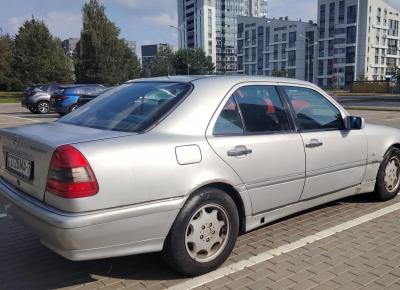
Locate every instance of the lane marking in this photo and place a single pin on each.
(3, 215)
(265, 256)
(21, 118)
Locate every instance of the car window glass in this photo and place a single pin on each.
(313, 110)
(131, 107)
(262, 109)
(44, 88)
(229, 121)
(53, 88)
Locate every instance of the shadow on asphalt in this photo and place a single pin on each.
(26, 264)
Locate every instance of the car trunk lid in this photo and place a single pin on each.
(26, 151)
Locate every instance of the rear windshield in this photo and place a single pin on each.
(130, 107)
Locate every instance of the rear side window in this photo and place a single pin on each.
(229, 121)
(313, 110)
(252, 109)
(131, 107)
(45, 88)
(91, 89)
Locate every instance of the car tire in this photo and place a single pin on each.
(32, 110)
(43, 107)
(388, 180)
(203, 234)
(73, 107)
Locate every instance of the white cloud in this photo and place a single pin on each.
(155, 5)
(61, 24)
(162, 19)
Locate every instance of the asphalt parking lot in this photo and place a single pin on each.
(348, 244)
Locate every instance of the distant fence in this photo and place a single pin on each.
(371, 87)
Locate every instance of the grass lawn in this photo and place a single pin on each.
(10, 97)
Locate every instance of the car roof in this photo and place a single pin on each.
(79, 86)
(233, 79)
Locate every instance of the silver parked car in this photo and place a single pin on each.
(37, 98)
(183, 165)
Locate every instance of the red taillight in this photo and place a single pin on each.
(70, 175)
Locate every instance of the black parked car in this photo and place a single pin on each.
(88, 97)
(66, 98)
(37, 98)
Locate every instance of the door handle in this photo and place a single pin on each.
(314, 143)
(239, 151)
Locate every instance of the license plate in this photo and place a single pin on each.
(19, 165)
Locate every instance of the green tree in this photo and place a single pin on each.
(198, 62)
(101, 56)
(6, 57)
(164, 62)
(39, 57)
(279, 73)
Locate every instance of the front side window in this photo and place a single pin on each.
(252, 110)
(130, 107)
(313, 111)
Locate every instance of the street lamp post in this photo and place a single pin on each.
(308, 45)
(187, 48)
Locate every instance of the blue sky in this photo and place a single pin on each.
(146, 21)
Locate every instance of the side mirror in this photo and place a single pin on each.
(354, 123)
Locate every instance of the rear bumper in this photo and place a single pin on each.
(93, 235)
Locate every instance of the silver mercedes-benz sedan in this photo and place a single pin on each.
(183, 165)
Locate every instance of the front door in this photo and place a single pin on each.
(251, 132)
(335, 157)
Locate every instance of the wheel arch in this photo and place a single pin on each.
(234, 194)
(396, 145)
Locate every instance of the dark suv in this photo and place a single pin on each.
(66, 98)
(37, 98)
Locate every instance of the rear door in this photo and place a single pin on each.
(335, 157)
(252, 133)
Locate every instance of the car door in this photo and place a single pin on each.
(335, 157)
(253, 134)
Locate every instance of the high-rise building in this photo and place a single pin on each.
(69, 46)
(357, 39)
(268, 46)
(149, 53)
(211, 25)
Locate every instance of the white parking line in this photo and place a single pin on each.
(3, 215)
(227, 270)
(21, 118)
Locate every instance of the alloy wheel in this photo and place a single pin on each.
(207, 233)
(392, 171)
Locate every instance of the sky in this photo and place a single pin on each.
(145, 21)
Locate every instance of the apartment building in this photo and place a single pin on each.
(69, 46)
(149, 53)
(358, 39)
(211, 25)
(270, 45)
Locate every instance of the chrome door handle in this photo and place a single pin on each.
(314, 143)
(239, 151)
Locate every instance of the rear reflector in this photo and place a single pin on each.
(70, 175)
